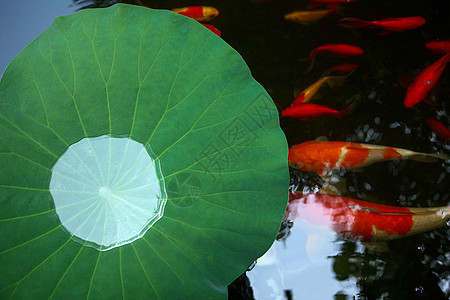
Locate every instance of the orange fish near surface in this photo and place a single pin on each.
(362, 220)
(321, 156)
(308, 17)
(198, 13)
(212, 28)
(425, 81)
(387, 24)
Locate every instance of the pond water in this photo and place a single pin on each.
(311, 262)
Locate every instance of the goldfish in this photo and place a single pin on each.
(304, 111)
(388, 24)
(441, 47)
(308, 17)
(212, 28)
(321, 156)
(328, 3)
(336, 49)
(311, 90)
(365, 221)
(425, 81)
(440, 129)
(344, 68)
(198, 13)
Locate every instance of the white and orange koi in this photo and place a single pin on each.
(198, 13)
(321, 156)
(362, 220)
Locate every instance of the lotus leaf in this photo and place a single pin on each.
(139, 159)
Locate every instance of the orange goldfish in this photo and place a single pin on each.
(198, 13)
(441, 47)
(425, 81)
(362, 220)
(321, 156)
(387, 25)
(310, 91)
(308, 17)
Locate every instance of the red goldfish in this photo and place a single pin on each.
(310, 91)
(212, 28)
(328, 3)
(336, 49)
(425, 81)
(198, 13)
(441, 47)
(440, 129)
(321, 156)
(344, 68)
(304, 111)
(387, 24)
(365, 221)
(308, 17)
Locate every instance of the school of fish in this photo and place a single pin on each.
(352, 218)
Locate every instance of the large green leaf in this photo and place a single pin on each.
(139, 159)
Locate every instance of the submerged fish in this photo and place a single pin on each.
(425, 81)
(387, 25)
(321, 156)
(328, 3)
(362, 220)
(198, 13)
(311, 90)
(440, 129)
(309, 16)
(441, 47)
(342, 50)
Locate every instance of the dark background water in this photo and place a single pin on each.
(416, 267)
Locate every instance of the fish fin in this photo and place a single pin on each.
(376, 246)
(321, 138)
(348, 109)
(429, 157)
(352, 23)
(338, 79)
(384, 32)
(313, 5)
(431, 100)
(298, 100)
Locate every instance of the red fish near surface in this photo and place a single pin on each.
(321, 156)
(198, 13)
(441, 47)
(425, 81)
(387, 24)
(361, 220)
(440, 129)
(304, 111)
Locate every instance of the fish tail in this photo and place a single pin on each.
(352, 23)
(311, 57)
(337, 80)
(348, 109)
(429, 157)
